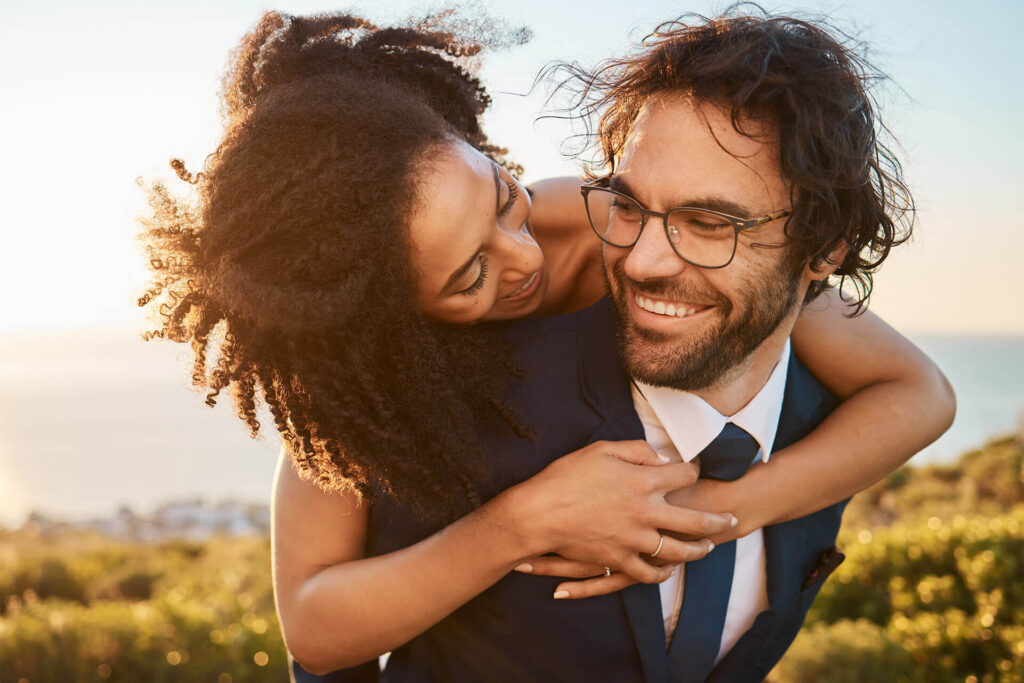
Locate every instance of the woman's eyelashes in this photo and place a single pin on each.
(513, 195)
(479, 284)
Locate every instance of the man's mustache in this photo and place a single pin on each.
(670, 289)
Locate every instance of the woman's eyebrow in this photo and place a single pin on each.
(459, 272)
(497, 189)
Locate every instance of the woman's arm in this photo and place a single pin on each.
(558, 220)
(895, 402)
(339, 608)
(557, 207)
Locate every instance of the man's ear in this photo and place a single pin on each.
(828, 265)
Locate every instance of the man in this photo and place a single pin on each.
(763, 131)
(743, 172)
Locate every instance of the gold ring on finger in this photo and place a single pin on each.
(661, 542)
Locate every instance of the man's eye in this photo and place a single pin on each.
(625, 210)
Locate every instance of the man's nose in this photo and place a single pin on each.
(652, 257)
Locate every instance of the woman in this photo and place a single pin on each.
(352, 229)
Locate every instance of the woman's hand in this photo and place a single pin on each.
(590, 579)
(604, 505)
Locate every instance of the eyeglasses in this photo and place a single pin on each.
(701, 237)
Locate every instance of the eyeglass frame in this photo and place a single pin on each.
(737, 223)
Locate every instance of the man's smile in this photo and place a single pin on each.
(667, 307)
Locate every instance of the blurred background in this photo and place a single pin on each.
(100, 432)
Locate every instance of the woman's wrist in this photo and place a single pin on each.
(711, 495)
(515, 514)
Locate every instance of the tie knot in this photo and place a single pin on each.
(730, 455)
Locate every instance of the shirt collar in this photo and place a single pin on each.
(692, 424)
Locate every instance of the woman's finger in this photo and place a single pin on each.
(574, 590)
(553, 565)
(634, 452)
(675, 476)
(693, 523)
(643, 572)
(674, 551)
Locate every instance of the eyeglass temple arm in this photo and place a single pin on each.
(772, 216)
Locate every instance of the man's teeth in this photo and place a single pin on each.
(661, 308)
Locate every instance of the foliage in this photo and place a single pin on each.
(845, 652)
(176, 611)
(932, 590)
(938, 593)
(986, 481)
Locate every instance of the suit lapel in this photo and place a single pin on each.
(606, 388)
(603, 383)
(782, 542)
(800, 403)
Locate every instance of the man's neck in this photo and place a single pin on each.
(738, 386)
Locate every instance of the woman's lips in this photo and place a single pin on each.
(526, 290)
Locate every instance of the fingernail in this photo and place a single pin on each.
(734, 521)
(662, 457)
(525, 568)
(561, 595)
(711, 546)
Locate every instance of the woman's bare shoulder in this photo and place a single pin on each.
(557, 208)
(571, 250)
(313, 527)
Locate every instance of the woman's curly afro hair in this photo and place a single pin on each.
(290, 263)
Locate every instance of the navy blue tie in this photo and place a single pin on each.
(708, 581)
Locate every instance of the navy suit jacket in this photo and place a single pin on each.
(574, 393)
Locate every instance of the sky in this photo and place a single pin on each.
(96, 95)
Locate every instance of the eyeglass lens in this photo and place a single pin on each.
(700, 237)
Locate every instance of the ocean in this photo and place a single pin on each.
(90, 421)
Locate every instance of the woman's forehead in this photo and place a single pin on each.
(456, 209)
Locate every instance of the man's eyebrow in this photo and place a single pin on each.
(718, 204)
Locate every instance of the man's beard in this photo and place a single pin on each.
(699, 362)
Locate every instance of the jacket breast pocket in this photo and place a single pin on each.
(827, 563)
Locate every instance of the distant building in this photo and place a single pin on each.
(193, 519)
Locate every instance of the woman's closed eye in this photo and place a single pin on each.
(479, 283)
(513, 195)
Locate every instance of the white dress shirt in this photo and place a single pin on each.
(680, 425)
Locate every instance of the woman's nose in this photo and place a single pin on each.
(521, 252)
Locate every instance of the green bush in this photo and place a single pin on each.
(927, 593)
(164, 612)
(168, 640)
(44, 577)
(845, 652)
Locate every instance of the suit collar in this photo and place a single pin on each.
(691, 423)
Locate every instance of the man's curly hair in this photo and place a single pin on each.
(291, 262)
(807, 80)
